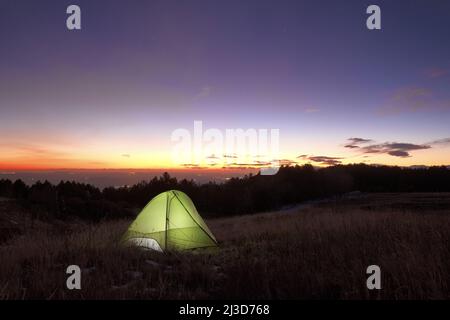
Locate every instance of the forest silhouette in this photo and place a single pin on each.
(246, 195)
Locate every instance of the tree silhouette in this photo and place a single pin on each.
(249, 194)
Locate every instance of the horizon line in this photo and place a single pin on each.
(3, 170)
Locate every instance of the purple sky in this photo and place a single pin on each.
(140, 69)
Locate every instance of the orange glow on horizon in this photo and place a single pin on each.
(99, 156)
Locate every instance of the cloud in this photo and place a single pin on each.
(440, 141)
(283, 162)
(204, 92)
(263, 163)
(325, 160)
(251, 164)
(436, 72)
(259, 164)
(354, 143)
(126, 155)
(399, 153)
(394, 149)
(311, 110)
(411, 93)
(236, 165)
(412, 99)
(212, 157)
(406, 146)
(24, 155)
(408, 99)
(25, 150)
(359, 140)
(230, 156)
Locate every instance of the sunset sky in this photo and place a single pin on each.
(111, 94)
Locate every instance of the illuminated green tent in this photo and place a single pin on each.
(170, 221)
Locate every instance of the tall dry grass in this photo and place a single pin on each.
(319, 252)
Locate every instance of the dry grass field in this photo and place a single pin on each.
(314, 251)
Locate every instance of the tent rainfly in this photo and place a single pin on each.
(170, 222)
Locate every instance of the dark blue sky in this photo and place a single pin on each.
(140, 69)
